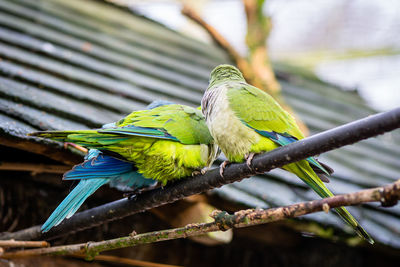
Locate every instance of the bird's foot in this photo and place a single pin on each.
(222, 167)
(249, 159)
(201, 172)
(195, 173)
(204, 170)
(131, 195)
(78, 147)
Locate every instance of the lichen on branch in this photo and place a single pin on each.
(388, 195)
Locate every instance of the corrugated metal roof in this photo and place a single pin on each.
(79, 64)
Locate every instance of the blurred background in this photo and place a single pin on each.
(354, 44)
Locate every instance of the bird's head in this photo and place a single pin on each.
(223, 73)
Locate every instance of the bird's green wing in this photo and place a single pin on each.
(179, 123)
(260, 111)
(174, 122)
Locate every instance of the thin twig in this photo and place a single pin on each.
(314, 145)
(48, 148)
(388, 195)
(23, 244)
(36, 168)
(76, 147)
(256, 68)
(220, 40)
(126, 261)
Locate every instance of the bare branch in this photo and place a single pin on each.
(126, 261)
(221, 41)
(387, 195)
(23, 244)
(314, 145)
(32, 167)
(48, 148)
(256, 68)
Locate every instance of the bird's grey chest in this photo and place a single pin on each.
(230, 134)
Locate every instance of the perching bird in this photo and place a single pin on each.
(163, 143)
(244, 120)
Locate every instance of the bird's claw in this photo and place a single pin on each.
(222, 167)
(249, 158)
(195, 173)
(204, 170)
(201, 172)
(131, 195)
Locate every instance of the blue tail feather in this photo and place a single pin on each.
(285, 139)
(98, 166)
(72, 202)
(98, 169)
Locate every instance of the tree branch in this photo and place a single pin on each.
(314, 145)
(256, 68)
(387, 195)
(220, 40)
(33, 167)
(23, 244)
(258, 29)
(125, 261)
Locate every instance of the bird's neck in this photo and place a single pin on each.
(220, 80)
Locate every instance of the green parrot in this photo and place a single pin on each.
(165, 143)
(244, 120)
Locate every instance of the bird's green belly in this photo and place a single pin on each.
(233, 137)
(236, 139)
(163, 160)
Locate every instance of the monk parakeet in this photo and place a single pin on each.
(162, 143)
(244, 120)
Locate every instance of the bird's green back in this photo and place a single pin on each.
(259, 110)
(164, 143)
(184, 123)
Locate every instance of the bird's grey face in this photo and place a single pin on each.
(223, 73)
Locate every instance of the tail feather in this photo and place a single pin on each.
(87, 138)
(99, 166)
(346, 216)
(72, 202)
(303, 170)
(60, 135)
(121, 174)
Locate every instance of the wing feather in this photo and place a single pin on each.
(270, 120)
(270, 116)
(173, 122)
